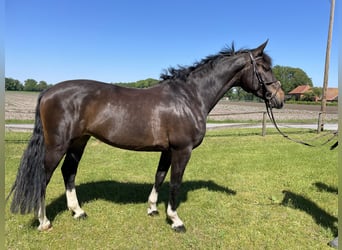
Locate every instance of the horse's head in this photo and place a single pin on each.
(259, 79)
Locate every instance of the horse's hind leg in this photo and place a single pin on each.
(53, 156)
(163, 167)
(44, 222)
(69, 170)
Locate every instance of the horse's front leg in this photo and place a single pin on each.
(180, 159)
(163, 167)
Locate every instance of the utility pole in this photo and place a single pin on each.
(326, 71)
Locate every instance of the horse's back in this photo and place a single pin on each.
(79, 85)
(123, 117)
(139, 119)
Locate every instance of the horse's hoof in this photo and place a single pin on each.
(45, 228)
(334, 243)
(179, 229)
(153, 213)
(80, 216)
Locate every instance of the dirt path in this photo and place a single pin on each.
(289, 112)
(21, 106)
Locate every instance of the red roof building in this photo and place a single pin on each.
(299, 91)
(332, 94)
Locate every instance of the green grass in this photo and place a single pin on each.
(240, 191)
(234, 121)
(16, 121)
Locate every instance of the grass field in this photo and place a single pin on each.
(240, 191)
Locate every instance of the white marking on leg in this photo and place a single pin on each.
(73, 203)
(152, 202)
(44, 223)
(173, 216)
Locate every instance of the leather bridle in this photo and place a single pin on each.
(262, 84)
(268, 96)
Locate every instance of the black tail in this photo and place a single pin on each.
(30, 184)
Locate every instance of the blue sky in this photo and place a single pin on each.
(124, 41)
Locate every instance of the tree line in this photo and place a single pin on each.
(289, 77)
(33, 85)
(29, 85)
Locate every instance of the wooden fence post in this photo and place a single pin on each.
(263, 123)
(319, 123)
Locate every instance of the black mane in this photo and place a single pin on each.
(182, 72)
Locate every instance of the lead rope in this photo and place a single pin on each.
(271, 116)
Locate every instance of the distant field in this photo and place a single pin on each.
(240, 191)
(21, 106)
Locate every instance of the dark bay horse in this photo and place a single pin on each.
(169, 117)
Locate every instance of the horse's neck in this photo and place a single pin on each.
(218, 80)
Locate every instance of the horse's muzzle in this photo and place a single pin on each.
(277, 100)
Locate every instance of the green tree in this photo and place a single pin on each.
(238, 94)
(317, 91)
(139, 84)
(30, 85)
(145, 83)
(290, 77)
(308, 96)
(42, 85)
(314, 94)
(13, 84)
(231, 94)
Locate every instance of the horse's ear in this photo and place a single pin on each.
(260, 50)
